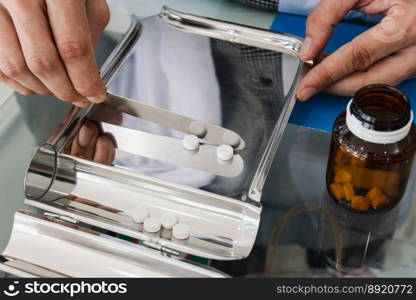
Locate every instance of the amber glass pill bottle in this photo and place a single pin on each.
(372, 149)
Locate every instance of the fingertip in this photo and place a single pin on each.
(305, 50)
(25, 93)
(313, 45)
(299, 97)
(99, 96)
(105, 142)
(105, 150)
(96, 99)
(306, 93)
(81, 104)
(87, 134)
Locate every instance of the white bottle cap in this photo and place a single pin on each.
(231, 138)
(197, 128)
(139, 214)
(190, 142)
(180, 231)
(168, 220)
(375, 136)
(225, 152)
(151, 225)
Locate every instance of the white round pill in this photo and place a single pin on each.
(180, 231)
(190, 142)
(231, 138)
(151, 225)
(197, 128)
(225, 152)
(139, 214)
(168, 220)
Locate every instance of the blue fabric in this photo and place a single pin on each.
(321, 110)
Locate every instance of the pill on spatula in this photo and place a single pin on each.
(139, 214)
(197, 128)
(168, 220)
(180, 231)
(151, 225)
(225, 152)
(190, 142)
(231, 138)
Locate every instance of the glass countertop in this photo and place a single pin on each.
(287, 242)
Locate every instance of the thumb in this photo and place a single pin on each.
(320, 24)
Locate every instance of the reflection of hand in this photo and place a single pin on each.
(47, 47)
(383, 54)
(91, 144)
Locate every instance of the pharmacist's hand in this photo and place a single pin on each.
(383, 54)
(47, 47)
(91, 144)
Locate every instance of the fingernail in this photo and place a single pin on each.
(85, 136)
(304, 51)
(306, 93)
(97, 99)
(81, 104)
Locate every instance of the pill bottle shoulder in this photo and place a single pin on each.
(345, 139)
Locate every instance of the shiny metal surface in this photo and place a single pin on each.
(109, 197)
(91, 253)
(213, 134)
(122, 51)
(171, 150)
(279, 42)
(103, 164)
(24, 269)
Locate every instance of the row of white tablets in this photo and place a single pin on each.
(167, 226)
(224, 152)
(199, 129)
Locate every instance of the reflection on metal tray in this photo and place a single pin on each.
(110, 256)
(222, 82)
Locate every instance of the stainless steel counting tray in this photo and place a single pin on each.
(105, 164)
